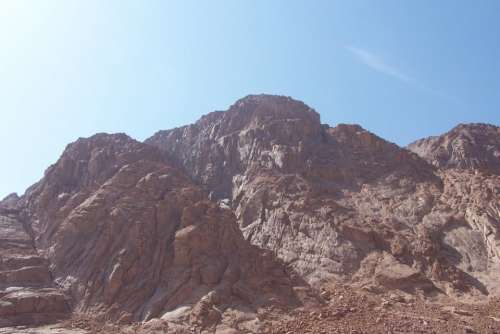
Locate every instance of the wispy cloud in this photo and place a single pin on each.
(378, 64)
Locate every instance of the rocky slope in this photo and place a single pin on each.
(224, 225)
(129, 238)
(335, 202)
(467, 146)
(468, 157)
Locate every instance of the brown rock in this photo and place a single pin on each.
(466, 146)
(321, 198)
(28, 296)
(184, 231)
(131, 238)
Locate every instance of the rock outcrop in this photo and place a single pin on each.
(131, 238)
(468, 157)
(331, 202)
(28, 295)
(466, 146)
(319, 197)
(9, 202)
(224, 224)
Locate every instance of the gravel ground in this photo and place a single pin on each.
(354, 312)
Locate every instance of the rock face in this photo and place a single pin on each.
(331, 202)
(255, 133)
(131, 238)
(27, 293)
(216, 225)
(321, 198)
(9, 202)
(467, 146)
(468, 158)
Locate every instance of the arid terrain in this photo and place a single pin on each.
(258, 219)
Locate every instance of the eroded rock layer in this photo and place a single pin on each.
(28, 295)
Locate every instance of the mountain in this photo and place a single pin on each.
(130, 238)
(252, 214)
(317, 196)
(466, 146)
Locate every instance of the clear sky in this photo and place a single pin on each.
(401, 69)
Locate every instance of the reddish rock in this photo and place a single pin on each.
(466, 146)
(28, 295)
(221, 225)
(130, 238)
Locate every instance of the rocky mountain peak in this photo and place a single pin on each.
(466, 146)
(279, 114)
(90, 161)
(10, 201)
(258, 131)
(274, 107)
(84, 166)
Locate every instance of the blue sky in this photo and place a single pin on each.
(401, 69)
